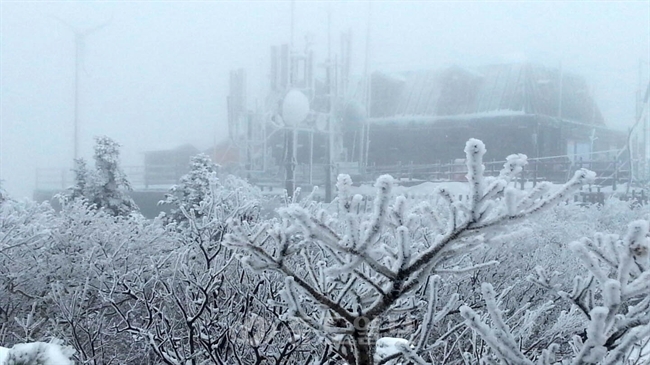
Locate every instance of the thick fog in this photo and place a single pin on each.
(156, 75)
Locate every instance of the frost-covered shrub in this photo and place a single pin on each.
(25, 228)
(610, 306)
(187, 199)
(616, 213)
(91, 248)
(192, 189)
(195, 304)
(350, 275)
(544, 241)
(121, 289)
(52, 266)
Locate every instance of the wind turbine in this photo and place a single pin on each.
(79, 37)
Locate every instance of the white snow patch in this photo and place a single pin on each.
(388, 346)
(4, 353)
(435, 118)
(38, 352)
(423, 189)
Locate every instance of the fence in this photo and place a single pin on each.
(596, 196)
(554, 169)
(557, 169)
(60, 179)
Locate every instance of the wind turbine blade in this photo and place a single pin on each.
(98, 27)
(66, 24)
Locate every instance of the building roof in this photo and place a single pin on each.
(225, 153)
(182, 152)
(486, 92)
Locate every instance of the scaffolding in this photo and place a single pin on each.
(255, 132)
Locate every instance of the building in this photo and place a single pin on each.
(165, 167)
(426, 116)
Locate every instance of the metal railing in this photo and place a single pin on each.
(555, 169)
(610, 171)
(151, 177)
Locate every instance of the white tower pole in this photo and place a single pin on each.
(79, 37)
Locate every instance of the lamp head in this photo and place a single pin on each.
(295, 108)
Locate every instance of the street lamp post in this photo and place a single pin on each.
(295, 109)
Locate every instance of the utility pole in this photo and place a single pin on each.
(330, 117)
(365, 129)
(559, 99)
(290, 135)
(79, 38)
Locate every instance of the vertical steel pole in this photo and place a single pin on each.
(77, 55)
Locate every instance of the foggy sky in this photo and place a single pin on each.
(157, 75)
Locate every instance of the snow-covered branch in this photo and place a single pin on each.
(374, 260)
(614, 323)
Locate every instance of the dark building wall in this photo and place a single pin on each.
(167, 166)
(442, 141)
(428, 144)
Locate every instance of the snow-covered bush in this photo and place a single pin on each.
(24, 229)
(542, 241)
(195, 304)
(348, 272)
(202, 184)
(88, 250)
(376, 287)
(52, 267)
(192, 188)
(92, 278)
(612, 300)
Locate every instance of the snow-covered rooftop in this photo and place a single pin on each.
(490, 91)
(434, 118)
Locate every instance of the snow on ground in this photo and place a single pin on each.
(4, 352)
(423, 190)
(457, 188)
(41, 353)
